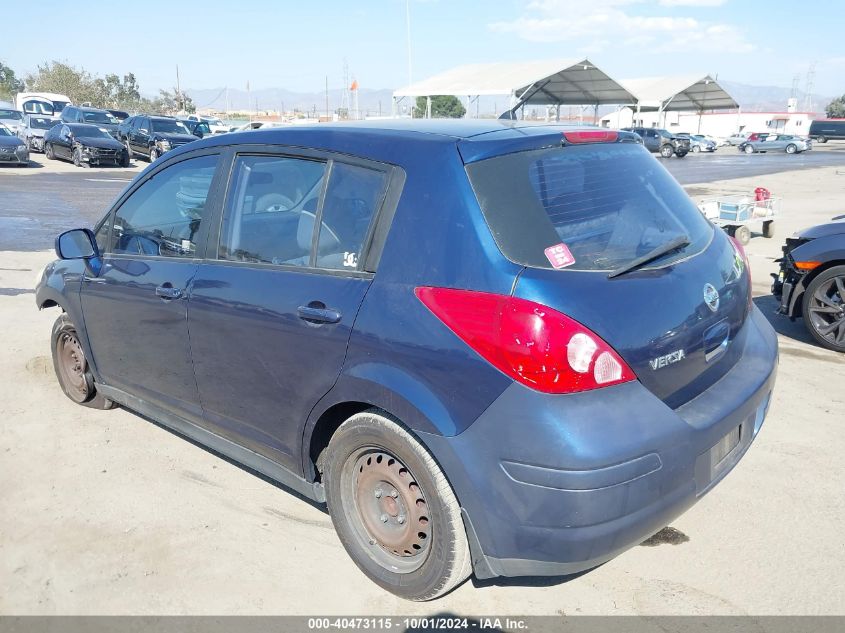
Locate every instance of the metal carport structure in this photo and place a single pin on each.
(683, 92)
(550, 82)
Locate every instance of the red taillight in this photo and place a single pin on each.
(591, 136)
(740, 249)
(535, 345)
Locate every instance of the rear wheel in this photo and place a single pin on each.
(393, 508)
(666, 151)
(742, 234)
(72, 368)
(791, 148)
(769, 228)
(824, 308)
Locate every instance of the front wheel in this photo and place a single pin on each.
(769, 228)
(791, 149)
(824, 308)
(681, 154)
(72, 368)
(153, 154)
(748, 149)
(666, 151)
(822, 139)
(696, 149)
(77, 158)
(48, 151)
(393, 508)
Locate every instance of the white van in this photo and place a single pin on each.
(43, 103)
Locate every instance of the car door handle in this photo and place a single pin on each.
(316, 314)
(168, 292)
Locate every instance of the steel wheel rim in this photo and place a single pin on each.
(826, 309)
(73, 366)
(388, 509)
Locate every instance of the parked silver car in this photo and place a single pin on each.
(33, 129)
(700, 143)
(10, 117)
(777, 143)
(738, 139)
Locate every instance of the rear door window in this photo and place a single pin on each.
(606, 204)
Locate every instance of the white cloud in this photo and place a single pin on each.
(692, 3)
(594, 23)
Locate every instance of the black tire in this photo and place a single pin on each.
(666, 151)
(769, 228)
(681, 154)
(71, 366)
(153, 154)
(48, 151)
(748, 149)
(822, 139)
(823, 308)
(124, 162)
(791, 148)
(416, 512)
(742, 234)
(696, 149)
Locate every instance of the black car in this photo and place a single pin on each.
(84, 145)
(200, 129)
(12, 149)
(811, 281)
(824, 130)
(120, 115)
(663, 142)
(152, 136)
(93, 116)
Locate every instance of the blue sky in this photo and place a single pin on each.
(295, 45)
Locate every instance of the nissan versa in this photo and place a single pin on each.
(490, 347)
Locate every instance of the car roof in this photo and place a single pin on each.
(390, 139)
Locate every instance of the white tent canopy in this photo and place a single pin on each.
(686, 92)
(551, 82)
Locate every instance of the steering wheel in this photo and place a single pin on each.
(273, 202)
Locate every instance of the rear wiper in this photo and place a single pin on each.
(663, 249)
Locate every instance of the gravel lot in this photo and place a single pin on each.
(107, 513)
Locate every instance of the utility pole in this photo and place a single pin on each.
(179, 99)
(327, 96)
(408, 29)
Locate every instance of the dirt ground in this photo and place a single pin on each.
(103, 512)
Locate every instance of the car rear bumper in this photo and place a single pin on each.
(555, 485)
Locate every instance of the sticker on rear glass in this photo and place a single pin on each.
(559, 256)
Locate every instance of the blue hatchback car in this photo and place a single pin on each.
(489, 347)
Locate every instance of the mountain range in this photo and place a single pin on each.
(378, 102)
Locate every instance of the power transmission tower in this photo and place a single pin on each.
(808, 90)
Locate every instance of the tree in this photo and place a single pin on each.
(442, 107)
(10, 85)
(836, 108)
(64, 79)
(173, 102)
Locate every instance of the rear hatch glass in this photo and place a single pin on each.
(608, 204)
(574, 215)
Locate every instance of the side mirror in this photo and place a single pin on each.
(76, 244)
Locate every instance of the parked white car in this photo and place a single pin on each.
(215, 125)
